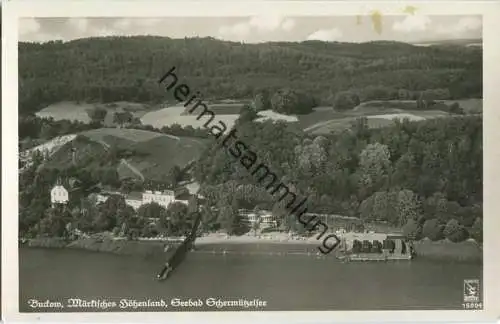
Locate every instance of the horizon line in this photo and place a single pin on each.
(263, 42)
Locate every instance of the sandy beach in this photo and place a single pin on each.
(274, 237)
(281, 238)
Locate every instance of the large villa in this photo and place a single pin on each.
(137, 199)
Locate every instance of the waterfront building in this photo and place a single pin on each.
(267, 220)
(264, 218)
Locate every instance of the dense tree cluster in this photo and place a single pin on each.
(425, 174)
(83, 213)
(33, 129)
(288, 102)
(128, 68)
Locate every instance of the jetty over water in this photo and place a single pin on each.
(180, 253)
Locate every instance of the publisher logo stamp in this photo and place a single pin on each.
(471, 290)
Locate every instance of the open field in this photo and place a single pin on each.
(151, 154)
(134, 135)
(78, 111)
(379, 114)
(158, 155)
(471, 106)
(227, 113)
(226, 108)
(271, 115)
(177, 115)
(322, 120)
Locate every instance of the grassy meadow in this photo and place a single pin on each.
(322, 120)
(152, 154)
(78, 111)
(178, 114)
(379, 114)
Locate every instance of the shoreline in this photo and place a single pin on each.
(244, 245)
(248, 239)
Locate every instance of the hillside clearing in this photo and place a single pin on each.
(134, 135)
(271, 115)
(150, 155)
(49, 147)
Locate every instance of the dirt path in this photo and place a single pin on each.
(132, 168)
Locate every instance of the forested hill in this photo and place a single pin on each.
(128, 68)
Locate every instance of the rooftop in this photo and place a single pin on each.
(134, 195)
(58, 187)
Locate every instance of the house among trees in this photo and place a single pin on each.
(63, 191)
(59, 195)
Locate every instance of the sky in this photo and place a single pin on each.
(410, 28)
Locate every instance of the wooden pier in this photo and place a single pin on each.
(180, 253)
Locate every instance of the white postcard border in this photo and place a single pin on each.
(491, 75)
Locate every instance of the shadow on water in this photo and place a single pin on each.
(180, 253)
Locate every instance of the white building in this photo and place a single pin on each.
(264, 218)
(163, 198)
(267, 220)
(59, 195)
(134, 200)
(137, 199)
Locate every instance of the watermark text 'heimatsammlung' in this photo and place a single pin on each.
(248, 159)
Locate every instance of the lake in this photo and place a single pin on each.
(292, 282)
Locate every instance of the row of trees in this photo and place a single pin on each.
(97, 115)
(113, 215)
(423, 100)
(288, 101)
(48, 72)
(435, 229)
(35, 128)
(86, 215)
(32, 127)
(285, 101)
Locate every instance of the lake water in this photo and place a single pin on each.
(293, 282)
